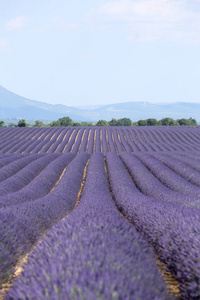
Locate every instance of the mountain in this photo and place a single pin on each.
(15, 106)
(144, 110)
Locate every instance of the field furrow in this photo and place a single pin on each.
(97, 247)
(100, 212)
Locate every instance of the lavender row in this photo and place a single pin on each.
(149, 139)
(65, 140)
(133, 146)
(171, 229)
(55, 142)
(124, 140)
(98, 141)
(15, 166)
(116, 138)
(137, 141)
(10, 145)
(143, 143)
(51, 140)
(149, 185)
(111, 141)
(40, 185)
(90, 145)
(105, 147)
(157, 137)
(102, 139)
(26, 175)
(7, 159)
(185, 140)
(83, 146)
(6, 142)
(180, 168)
(71, 141)
(172, 138)
(76, 145)
(93, 254)
(169, 178)
(187, 159)
(191, 154)
(37, 133)
(162, 135)
(22, 225)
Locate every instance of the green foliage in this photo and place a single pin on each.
(22, 123)
(124, 122)
(38, 124)
(65, 121)
(55, 124)
(152, 122)
(87, 124)
(102, 123)
(159, 123)
(2, 123)
(142, 123)
(76, 124)
(165, 122)
(113, 122)
(193, 121)
(184, 121)
(62, 122)
(168, 122)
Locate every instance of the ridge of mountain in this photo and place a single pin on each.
(15, 106)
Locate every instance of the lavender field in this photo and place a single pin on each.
(99, 213)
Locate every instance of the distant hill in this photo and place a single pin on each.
(144, 110)
(15, 106)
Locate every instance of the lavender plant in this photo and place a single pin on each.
(15, 166)
(26, 175)
(149, 185)
(171, 229)
(167, 176)
(41, 185)
(182, 169)
(93, 254)
(21, 227)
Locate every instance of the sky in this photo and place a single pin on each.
(101, 52)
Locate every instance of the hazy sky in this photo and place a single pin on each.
(79, 52)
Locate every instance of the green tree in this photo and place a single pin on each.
(38, 124)
(142, 123)
(159, 123)
(168, 122)
(124, 122)
(102, 123)
(65, 121)
(151, 122)
(193, 121)
(76, 124)
(183, 121)
(55, 123)
(2, 123)
(22, 123)
(86, 123)
(113, 122)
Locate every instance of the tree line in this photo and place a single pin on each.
(67, 121)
